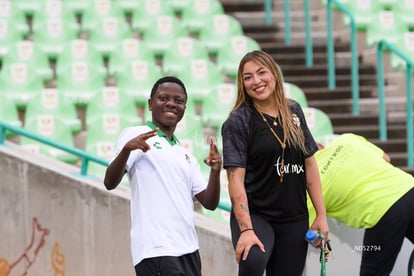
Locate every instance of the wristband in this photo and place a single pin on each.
(247, 229)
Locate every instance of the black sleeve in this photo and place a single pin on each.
(310, 144)
(235, 133)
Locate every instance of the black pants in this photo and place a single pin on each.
(284, 244)
(186, 265)
(383, 242)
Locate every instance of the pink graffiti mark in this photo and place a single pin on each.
(32, 250)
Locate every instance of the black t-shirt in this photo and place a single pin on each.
(248, 143)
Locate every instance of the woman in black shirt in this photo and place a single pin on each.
(268, 154)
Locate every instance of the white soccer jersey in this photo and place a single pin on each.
(164, 181)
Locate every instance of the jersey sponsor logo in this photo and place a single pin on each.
(187, 158)
(157, 145)
(296, 119)
(288, 168)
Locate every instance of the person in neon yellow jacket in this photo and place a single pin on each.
(362, 189)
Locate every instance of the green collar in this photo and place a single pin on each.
(162, 134)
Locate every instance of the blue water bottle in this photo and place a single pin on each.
(313, 237)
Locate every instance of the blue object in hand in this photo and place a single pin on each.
(313, 238)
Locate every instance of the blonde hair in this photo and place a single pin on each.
(295, 137)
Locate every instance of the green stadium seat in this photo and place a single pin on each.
(79, 81)
(200, 76)
(52, 102)
(52, 34)
(79, 6)
(20, 83)
(128, 6)
(196, 14)
(9, 35)
(129, 49)
(9, 114)
(218, 104)
(111, 100)
(80, 50)
(184, 48)
(179, 5)
(56, 9)
(292, 91)
(9, 12)
(25, 51)
(50, 127)
(98, 10)
(229, 56)
(105, 127)
(106, 32)
(386, 25)
(165, 29)
(405, 44)
(318, 123)
(405, 10)
(364, 12)
(142, 18)
(219, 29)
(189, 132)
(219, 214)
(28, 7)
(389, 3)
(104, 149)
(135, 79)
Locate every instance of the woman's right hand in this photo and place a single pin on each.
(246, 241)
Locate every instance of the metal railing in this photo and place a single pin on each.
(308, 32)
(83, 155)
(384, 45)
(354, 52)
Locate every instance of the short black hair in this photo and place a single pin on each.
(167, 79)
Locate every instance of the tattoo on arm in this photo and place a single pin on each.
(244, 210)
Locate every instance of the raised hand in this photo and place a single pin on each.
(214, 158)
(139, 142)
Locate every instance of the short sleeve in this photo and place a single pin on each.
(310, 144)
(235, 133)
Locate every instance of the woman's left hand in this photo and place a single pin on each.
(321, 224)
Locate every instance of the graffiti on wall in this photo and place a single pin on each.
(21, 266)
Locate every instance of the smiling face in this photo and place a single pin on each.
(258, 82)
(167, 105)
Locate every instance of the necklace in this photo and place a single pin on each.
(282, 143)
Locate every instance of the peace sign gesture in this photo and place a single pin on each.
(139, 142)
(214, 158)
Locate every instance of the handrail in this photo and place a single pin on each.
(85, 156)
(381, 94)
(354, 53)
(308, 42)
(286, 11)
(268, 11)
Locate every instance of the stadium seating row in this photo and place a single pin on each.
(391, 20)
(85, 57)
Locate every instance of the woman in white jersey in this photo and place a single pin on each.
(165, 180)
